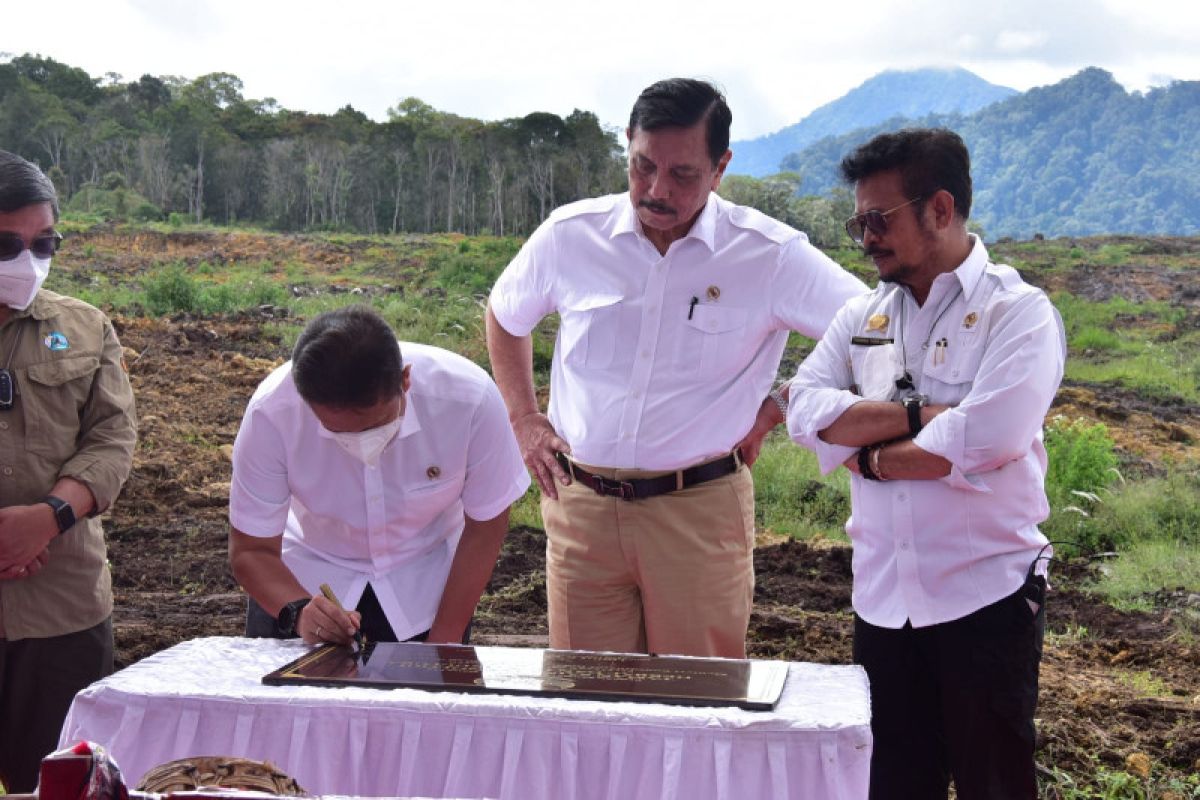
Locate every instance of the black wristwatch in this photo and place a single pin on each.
(289, 617)
(64, 515)
(913, 405)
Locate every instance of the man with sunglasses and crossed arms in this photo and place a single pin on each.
(67, 432)
(932, 391)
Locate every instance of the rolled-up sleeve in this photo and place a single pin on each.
(1003, 412)
(107, 428)
(820, 393)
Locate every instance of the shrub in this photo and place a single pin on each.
(1082, 465)
(1082, 457)
(172, 290)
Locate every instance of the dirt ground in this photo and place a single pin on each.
(1114, 684)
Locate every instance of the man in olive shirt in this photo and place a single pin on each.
(67, 432)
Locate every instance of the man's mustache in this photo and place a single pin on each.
(872, 252)
(657, 208)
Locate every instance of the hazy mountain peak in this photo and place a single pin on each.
(908, 93)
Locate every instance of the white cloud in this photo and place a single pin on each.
(492, 60)
(1020, 41)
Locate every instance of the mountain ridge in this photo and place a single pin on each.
(1079, 157)
(907, 93)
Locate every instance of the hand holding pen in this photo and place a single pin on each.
(343, 622)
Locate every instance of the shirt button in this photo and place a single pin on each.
(645, 354)
(8, 470)
(3, 426)
(902, 497)
(904, 545)
(954, 373)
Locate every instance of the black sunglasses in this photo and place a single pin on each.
(12, 246)
(873, 220)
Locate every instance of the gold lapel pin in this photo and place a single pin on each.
(970, 319)
(433, 472)
(714, 293)
(878, 322)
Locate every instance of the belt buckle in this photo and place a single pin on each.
(612, 488)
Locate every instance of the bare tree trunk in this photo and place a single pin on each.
(198, 192)
(399, 159)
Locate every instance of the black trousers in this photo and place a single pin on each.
(38, 680)
(375, 626)
(956, 700)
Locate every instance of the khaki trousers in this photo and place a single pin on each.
(671, 574)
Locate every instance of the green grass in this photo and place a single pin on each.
(1162, 372)
(1146, 566)
(793, 498)
(1104, 783)
(1145, 683)
(1146, 347)
(527, 511)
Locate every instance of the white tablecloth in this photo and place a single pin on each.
(205, 697)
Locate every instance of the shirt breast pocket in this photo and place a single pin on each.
(716, 334)
(950, 370)
(52, 400)
(427, 498)
(589, 330)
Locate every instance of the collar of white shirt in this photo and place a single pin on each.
(703, 229)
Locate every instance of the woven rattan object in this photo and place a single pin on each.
(201, 772)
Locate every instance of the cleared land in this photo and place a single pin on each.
(1120, 696)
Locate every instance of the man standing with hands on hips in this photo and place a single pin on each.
(932, 391)
(67, 433)
(675, 307)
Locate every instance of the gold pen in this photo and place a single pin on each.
(331, 597)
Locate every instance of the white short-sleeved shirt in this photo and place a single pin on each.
(987, 343)
(395, 525)
(662, 361)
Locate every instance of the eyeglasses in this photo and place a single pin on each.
(873, 220)
(12, 246)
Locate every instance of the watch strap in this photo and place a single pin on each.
(289, 616)
(64, 515)
(912, 405)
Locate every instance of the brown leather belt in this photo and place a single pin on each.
(641, 488)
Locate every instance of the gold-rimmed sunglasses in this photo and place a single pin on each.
(873, 220)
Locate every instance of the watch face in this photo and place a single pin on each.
(287, 620)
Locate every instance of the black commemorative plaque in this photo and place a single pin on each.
(749, 684)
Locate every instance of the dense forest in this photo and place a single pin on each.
(1080, 157)
(198, 150)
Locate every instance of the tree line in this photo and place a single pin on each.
(199, 150)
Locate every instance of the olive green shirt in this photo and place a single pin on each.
(73, 417)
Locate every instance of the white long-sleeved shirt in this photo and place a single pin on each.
(987, 343)
(662, 361)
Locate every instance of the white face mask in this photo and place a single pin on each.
(21, 278)
(367, 446)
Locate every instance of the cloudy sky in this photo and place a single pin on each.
(487, 59)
